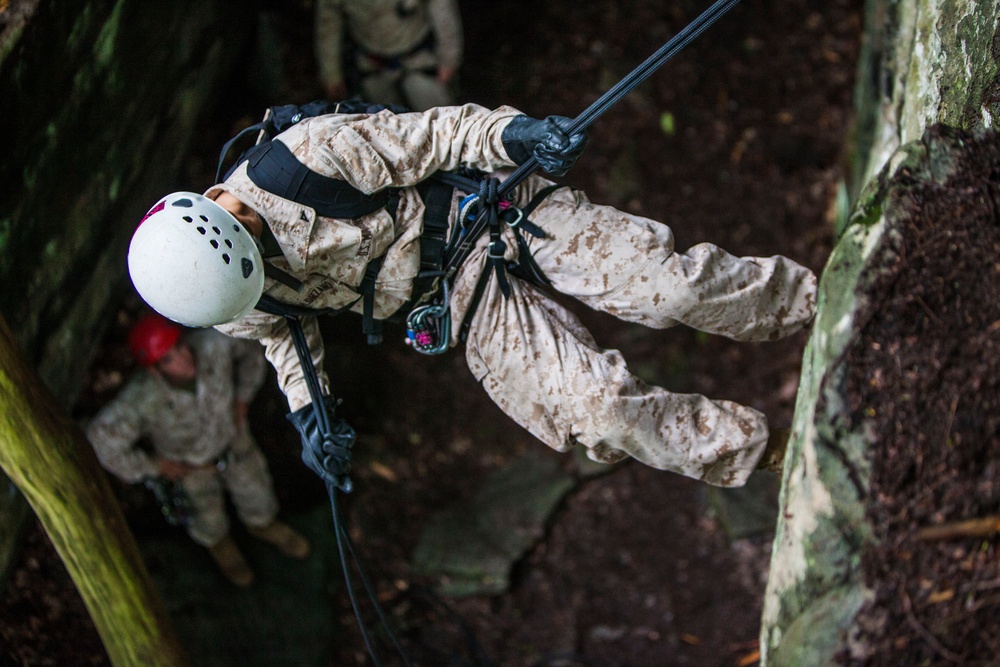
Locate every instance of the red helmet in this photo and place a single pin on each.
(151, 338)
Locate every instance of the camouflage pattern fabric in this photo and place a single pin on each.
(391, 29)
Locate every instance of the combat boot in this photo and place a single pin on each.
(773, 459)
(229, 559)
(282, 536)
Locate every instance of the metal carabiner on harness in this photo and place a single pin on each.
(428, 328)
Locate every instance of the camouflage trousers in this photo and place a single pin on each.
(543, 368)
(245, 476)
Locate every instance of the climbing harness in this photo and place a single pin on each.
(271, 166)
(493, 198)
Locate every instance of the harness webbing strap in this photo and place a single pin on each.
(525, 267)
(371, 327)
(496, 249)
(282, 276)
(436, 196)
(272, 166)
(256, 127)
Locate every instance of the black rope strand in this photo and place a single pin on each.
(345, 545)
(366, 582)
(672, 47)
(342, 537)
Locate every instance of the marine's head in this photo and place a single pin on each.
(193, 262)
(158, 344)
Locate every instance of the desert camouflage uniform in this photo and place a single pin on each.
(196, 427)
(534, 358)
(422, 34)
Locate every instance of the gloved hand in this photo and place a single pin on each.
(330, 456)
(546, 140)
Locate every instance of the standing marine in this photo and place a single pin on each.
(189, 401)
(397, 52)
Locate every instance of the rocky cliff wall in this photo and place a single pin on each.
(923, 63)
(101, 100)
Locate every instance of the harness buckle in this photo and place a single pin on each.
(493, 254)
(517, 220)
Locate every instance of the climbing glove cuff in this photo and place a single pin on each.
(545, 140)
(328, 455)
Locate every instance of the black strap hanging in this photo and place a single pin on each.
(489, 207)
(345, 544)
(526, 267)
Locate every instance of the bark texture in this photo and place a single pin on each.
(49, 459)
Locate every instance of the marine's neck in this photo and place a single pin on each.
(246, 215)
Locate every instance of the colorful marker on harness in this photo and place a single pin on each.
(468, 210)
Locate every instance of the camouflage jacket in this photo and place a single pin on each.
(329, 255)
(191, 426)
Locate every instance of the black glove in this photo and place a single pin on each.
(328, 457)
(546, 140)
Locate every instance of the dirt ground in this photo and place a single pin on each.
(738, 142)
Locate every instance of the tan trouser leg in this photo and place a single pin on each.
(545, 370)
(209, 523)
(540, 365)
(248, 481)
(626, 265)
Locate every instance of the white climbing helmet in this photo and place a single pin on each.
(194, 263)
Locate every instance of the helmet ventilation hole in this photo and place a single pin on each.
(225, 258)
(215, 244)
(202, 230)
(187, 218)
(216, 230)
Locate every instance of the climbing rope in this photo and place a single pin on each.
(672, 47)
(337, 479)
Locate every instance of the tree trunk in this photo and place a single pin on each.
(53, 465)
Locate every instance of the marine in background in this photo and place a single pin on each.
(189, 402)
(398, 52)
